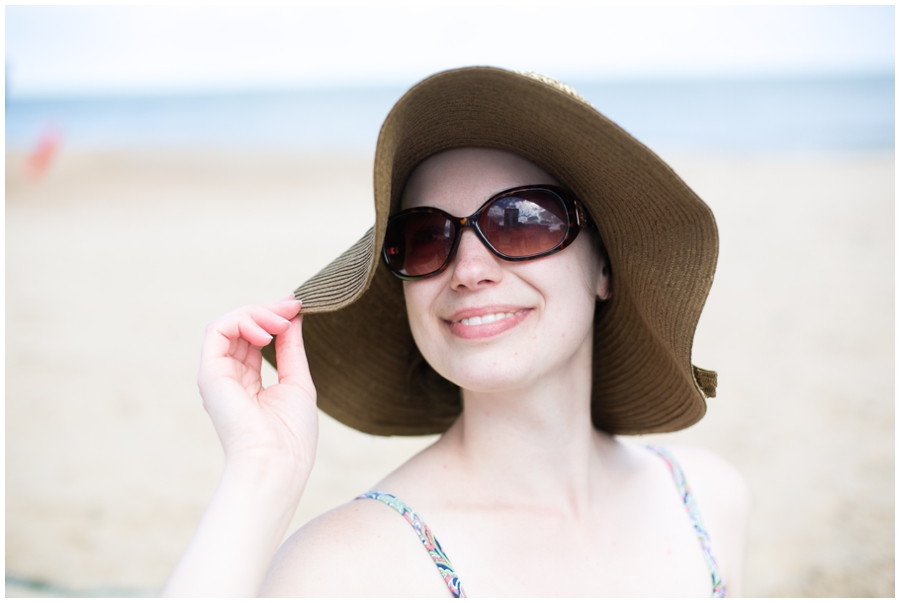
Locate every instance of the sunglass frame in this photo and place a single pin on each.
(576, 219)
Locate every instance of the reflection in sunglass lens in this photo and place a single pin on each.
(418, 243)
(524, 224)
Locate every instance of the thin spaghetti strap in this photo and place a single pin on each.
(690, 504)
(431, 543)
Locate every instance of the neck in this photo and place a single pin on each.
(535, 443)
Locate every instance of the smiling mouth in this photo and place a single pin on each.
(489, 318)
(487, 325)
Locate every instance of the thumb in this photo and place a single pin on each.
(290, 355)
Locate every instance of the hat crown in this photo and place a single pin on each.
(562, 86)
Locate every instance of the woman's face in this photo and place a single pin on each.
(546, 306)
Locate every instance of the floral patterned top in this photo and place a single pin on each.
(452, 579)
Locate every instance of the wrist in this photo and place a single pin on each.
(266, 476)
(264, 497)
(242, 528)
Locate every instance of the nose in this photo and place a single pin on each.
(474, 266)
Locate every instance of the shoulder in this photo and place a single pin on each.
(724, 500)
(708, 471)
(362, 549)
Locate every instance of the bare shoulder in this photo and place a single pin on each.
(360, 549)
(708, 471)
(724, 500)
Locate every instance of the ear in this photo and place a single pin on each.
(604, 278)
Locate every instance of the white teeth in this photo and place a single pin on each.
(487, 318)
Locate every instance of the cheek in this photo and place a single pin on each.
(590, 262)
(420, 297)
(571, 296)
(571, 308)
(579, 268)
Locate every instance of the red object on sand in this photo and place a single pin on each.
(39, 159)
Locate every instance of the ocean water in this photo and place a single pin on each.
(848, 114)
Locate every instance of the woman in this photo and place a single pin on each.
(560, 313)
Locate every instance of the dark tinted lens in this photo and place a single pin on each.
(524, 224)
(418, 243)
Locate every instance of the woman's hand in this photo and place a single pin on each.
(256, 425)
(269, 435)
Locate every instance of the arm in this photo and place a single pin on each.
(269, 438)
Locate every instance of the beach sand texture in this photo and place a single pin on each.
(116, 261)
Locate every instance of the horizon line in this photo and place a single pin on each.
(393, 84)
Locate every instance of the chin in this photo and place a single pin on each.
(481, 374)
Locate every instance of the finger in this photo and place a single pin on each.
(252, 323)
(218, 341)
(286, 308)
(250, 330)
(271, 320)
(223, 336)
(290, 355)
(260, 316)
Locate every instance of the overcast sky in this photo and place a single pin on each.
(65, 50)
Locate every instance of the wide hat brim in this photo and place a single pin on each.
(661, 239)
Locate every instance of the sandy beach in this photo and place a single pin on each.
(115, 262)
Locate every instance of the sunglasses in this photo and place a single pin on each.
(519, 224)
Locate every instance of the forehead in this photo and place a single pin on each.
(460, 180)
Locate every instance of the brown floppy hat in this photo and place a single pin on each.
(660, 237)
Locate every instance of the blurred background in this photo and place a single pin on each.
(166, 165)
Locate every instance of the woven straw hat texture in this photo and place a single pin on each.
(661, 239)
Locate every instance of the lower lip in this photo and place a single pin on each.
(489, 330)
